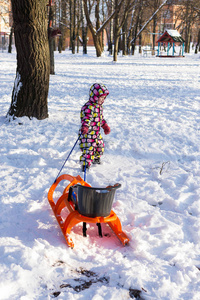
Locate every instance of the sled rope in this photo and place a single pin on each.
(67, 158)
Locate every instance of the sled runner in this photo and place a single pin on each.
(85, 204)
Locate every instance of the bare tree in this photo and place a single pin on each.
(73, 24)
(131, 28)
(110, 7)
(137, 24)
(96, 33)
(120, 17)
(78, 17)
(84, 28)
(154, 5)
(29, 96)
(147, 22)
(97, 30)
(62, 20)
(124, 33)
(188, 13)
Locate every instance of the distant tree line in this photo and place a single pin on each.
(35, 25)
(122, 20)
(188, 13)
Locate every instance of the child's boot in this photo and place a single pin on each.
(97, 161)
(85, 167)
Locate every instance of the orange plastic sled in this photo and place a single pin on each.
(74, 217)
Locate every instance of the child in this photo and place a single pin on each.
(91, 141)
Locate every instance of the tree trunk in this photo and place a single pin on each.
(96, 37)
(74, 28)
(130, 31)
(120, 19)
(60, 27)
(97, 32)
(51, 52)
(134, 35)
(116, 34)
(64, 23)
(10, 40)
(78, 27)
(84, 34)
(103, 35)
(154, 31)
(124, 38)
(140, 36)
(187, 39)
(98, 45)
(72, 25)
(115, 52)
(110, 36)
(60, 45)
(29, 96)
(198, 43)
(51, 38)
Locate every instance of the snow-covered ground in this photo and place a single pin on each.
(153, 150)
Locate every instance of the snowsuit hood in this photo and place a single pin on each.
(97, 90)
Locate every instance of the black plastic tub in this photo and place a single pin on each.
(95, 202)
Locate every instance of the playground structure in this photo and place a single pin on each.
(169, 41)
(85, 204)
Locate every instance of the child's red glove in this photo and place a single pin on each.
(106, 128)
(84, 129)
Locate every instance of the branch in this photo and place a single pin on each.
(196, 8)
(64, 24)
(89, 23)
(128, 7)
(105, 23)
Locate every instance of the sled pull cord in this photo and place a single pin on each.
(85, 170)
(67, 157)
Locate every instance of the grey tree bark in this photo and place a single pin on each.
(30, 92)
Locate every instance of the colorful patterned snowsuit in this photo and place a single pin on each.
(91, 144)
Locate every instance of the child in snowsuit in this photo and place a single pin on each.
(91, 141)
